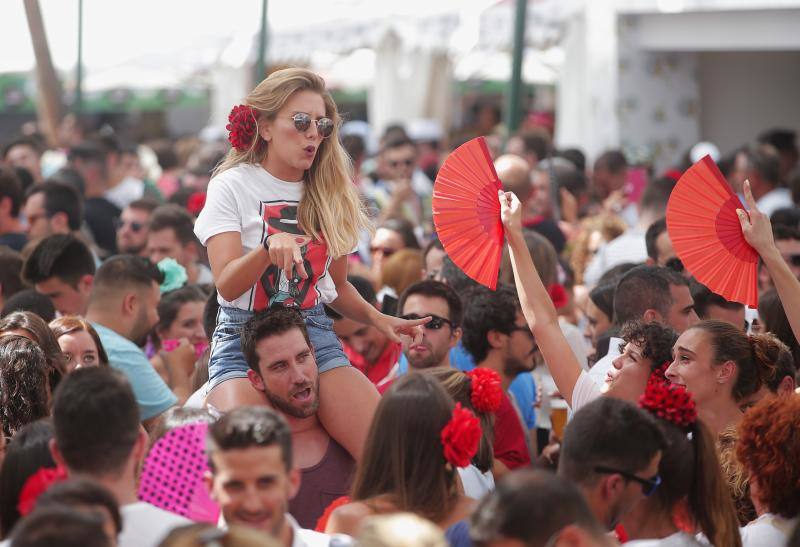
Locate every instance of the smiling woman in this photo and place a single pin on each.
(722, 367)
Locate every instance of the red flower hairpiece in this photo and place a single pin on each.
(558, 294)
(36, 485)
(196, 203)
(461, 437)
(660, 373)
(486, 393)
(241, 127)
(669, 402)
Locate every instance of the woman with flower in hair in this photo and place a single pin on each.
(418, 439)
(647, 346)
(281, 216)
(692, 495)
(769, 449)
(480, 391)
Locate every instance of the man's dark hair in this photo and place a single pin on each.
(644, 288)
(11, 188)
(487, 310)
(363, 287)
(436, 289)
(704, 298)
(60, 198)
(91, 151)
(766, 163)
(96, 420)
(521, 508)
(398, 142)
(32, 301)
(456, 278)
(783, 232)
(656, 195)
(576, 156)
(175, 217)
(61, 526)
(270, 322)
(71, 177)
(249, 427)
(613, 160)
(783, 140)
(22, 141)
(603, 297)
(535, 143)
(354, 146)
(404, 229)
(10, 272)
(79, 493)
(144, 204)
(611, 433)
(59, 255)
(126, 271)
(651, 236)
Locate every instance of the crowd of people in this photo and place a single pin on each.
(263, 342)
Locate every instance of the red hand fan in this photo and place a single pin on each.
(707, 237)
(466, 211)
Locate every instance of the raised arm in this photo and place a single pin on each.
(539, 311)
(757, 231)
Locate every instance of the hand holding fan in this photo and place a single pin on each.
(707, 236)
(466, 211)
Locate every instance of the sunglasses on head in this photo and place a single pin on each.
(435, 323)
(302, 122)
(649, 486)
(397, 163)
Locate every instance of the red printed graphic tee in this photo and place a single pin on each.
(248, 200)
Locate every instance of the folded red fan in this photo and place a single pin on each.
(466, 212)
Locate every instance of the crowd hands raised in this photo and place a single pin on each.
(191, 356)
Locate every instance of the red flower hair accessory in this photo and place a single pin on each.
(241, 127)
(669, 402)
(660, 374)
(461, 437)
(196, 203)
(36, 485)
(486, 393)
(558, 294)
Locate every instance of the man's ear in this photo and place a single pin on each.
(208, 480)
(787, 386)
(85, 283)
(60, 222)
(649, 261)
(130, 302)
(496, 338)
(455, 336)
(651, 315)
(294, 482)
(256, 380)
(573, 535)
(58, 457)
(140, 446)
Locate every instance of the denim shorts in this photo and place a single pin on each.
(227, 360)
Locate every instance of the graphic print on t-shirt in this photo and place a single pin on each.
(274, 289)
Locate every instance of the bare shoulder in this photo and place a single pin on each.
(347, 518)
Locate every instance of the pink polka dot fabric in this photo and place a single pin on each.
(172, 474)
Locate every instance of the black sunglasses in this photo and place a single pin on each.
(435, 323)
(397, 163)
(521, 328)
(794, 260)
(302, 122)
(649, 486)
(385, 251)
(135, 226)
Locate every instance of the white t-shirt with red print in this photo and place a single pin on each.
(249, 200)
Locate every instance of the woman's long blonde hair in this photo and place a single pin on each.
(330, 209)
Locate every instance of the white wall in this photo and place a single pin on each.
(743, 93)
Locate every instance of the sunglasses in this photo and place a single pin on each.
(302, 122)
(134, 226)
(435, 323)
(521, 328)
(397, 163)
(794, 260)
(385, 251)
(649, 486)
